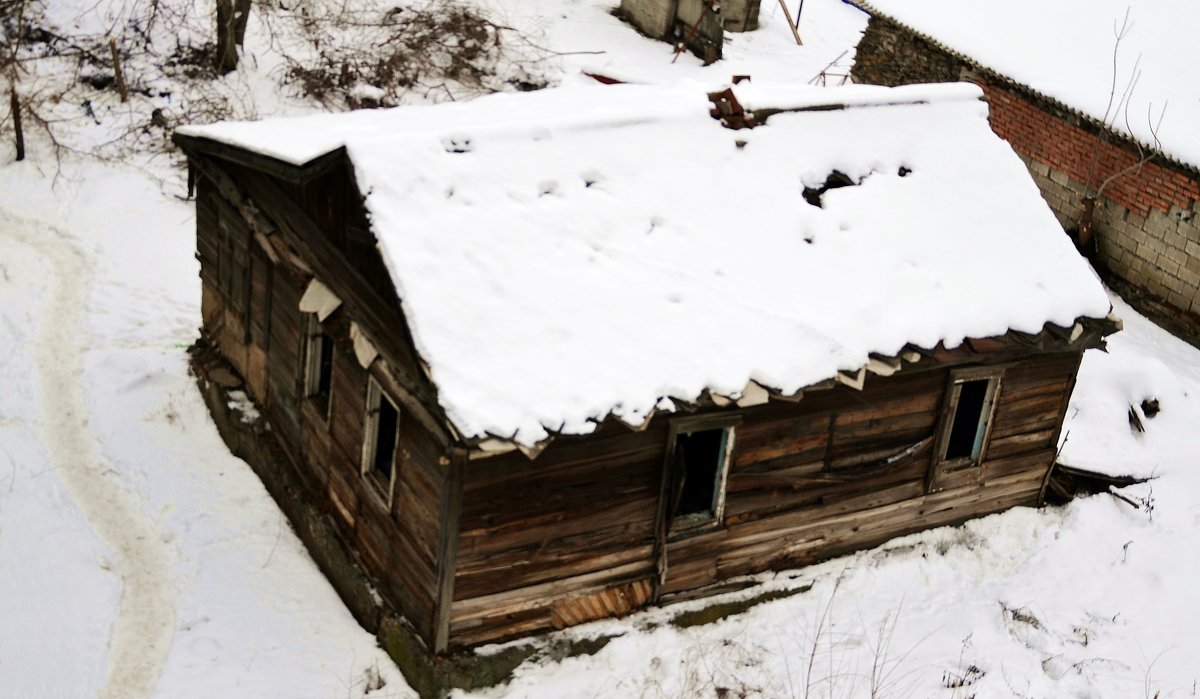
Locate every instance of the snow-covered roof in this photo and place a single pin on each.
(1065, 50)
(574, 253)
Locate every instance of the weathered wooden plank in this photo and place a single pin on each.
(1011, 391)
(449, 519)
(789, 477)
(1042, 404)
(546, 567)
(925, 402)
(1018, 443)
(755, 453)
(635, 516)
(343, 496)
(1038, 461)
(1021, 424)
(538, 596)
(612, 601)
(1043, 369)
(348, 388)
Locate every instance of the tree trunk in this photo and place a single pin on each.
(15, 105)
(232, 17)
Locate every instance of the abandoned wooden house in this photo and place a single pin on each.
(547, 357)
(1124, 179)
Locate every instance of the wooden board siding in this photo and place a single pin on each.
(549, 542)
(577, 520)
(396, 545)
(283, 357)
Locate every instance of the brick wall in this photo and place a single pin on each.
(1147, 223)
(1085, 156)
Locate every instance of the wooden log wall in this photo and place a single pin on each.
(570, 536)
(263, 338)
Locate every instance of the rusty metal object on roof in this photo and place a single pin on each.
(729, 111)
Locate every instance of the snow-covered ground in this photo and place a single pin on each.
(138, 558)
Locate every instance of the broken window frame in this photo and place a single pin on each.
(375, 397)
(985, 420)
(315, 340)
(692, 523)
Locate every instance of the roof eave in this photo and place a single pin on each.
(289, 172)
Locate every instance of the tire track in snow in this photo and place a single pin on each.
(144, 624)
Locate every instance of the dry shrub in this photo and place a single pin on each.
(372, 58)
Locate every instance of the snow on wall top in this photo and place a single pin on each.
(1064, 49)
(572, 253)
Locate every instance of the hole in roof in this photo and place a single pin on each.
(547, 187)
(903, 171)
(836, 180)
(591, 177)
(457, 144)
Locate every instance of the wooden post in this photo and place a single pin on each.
(120, 77)
(450, 517)
(787, 14)
(15, 105)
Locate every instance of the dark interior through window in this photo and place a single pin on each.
(385, 438)
(323, 345)
(698, 457)
(325, 377)
(964, 430)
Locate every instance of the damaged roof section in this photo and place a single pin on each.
(618, 251)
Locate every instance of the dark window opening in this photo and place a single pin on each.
(697, 464)
(969, 423)
(381, 430)
(318, 366)
(386, 424)
(325, 364)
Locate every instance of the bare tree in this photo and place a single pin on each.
(1116, 109)
(12, 15)
(232, 16)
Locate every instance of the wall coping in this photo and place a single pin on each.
(1043, 100)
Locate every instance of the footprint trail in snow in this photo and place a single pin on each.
(144, 624)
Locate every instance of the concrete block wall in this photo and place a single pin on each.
(653, 18)
(1158, 251)
(1147, 222)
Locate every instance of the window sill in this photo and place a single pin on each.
(379, 491)
(686, 528)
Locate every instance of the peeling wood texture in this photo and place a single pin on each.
(483, 543)
(547, 542)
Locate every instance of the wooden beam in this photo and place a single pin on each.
(791, 24)
(1062, 416)
(447, 550)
